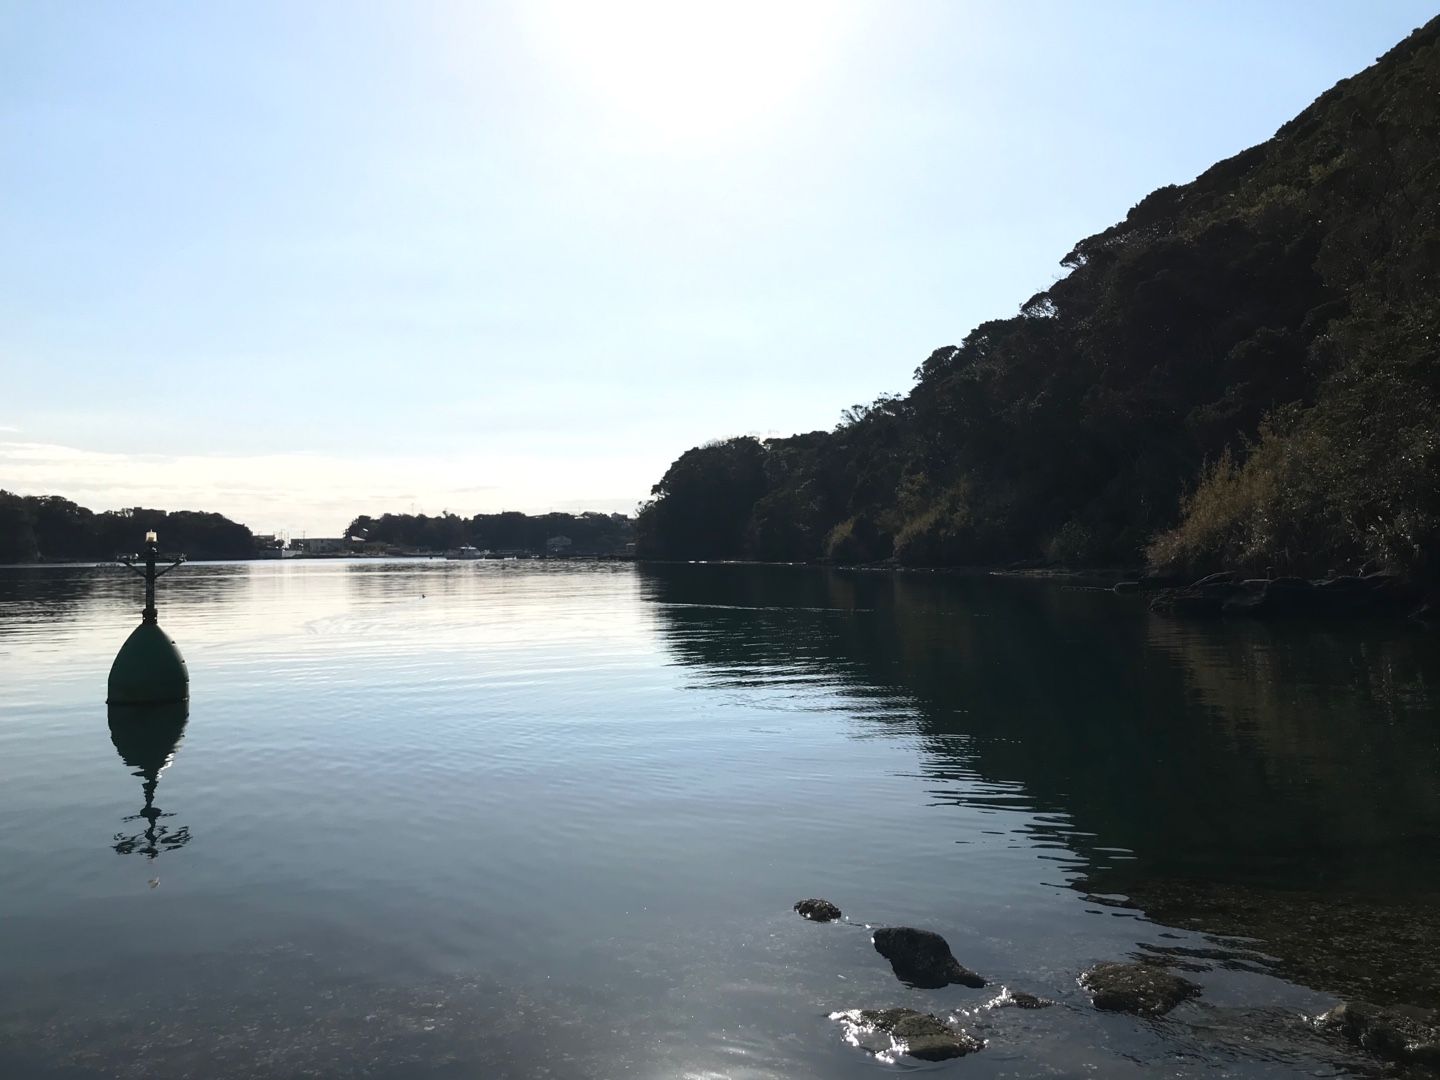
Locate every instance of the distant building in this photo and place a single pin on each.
(325, 545)
(268, 546)
(558, 545)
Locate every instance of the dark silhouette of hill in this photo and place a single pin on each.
(52, 529)
(589, 533)
(1242, 373)
(49, 528)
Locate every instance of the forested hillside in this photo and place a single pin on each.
(1242, 373)
(588, 533)
(57, 530)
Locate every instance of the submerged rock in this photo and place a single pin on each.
(1221, 578)
(1357, 947)
(1398, 1033)
(908, 1032)
(1141, 989)
(1023, 1000)
(1193, 601)
(817, 910)
(922, 958)
(1017, 999)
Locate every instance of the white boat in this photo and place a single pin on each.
(466, 552)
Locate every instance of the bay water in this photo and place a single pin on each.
(548, 819)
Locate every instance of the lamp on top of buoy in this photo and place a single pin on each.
(148, 669)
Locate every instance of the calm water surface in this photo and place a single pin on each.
(502, 819)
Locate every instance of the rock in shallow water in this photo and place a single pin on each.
(922, 958)
(908, 1032)
(817, 910)
(1397, 1033)
(1337, 597)
(1018, 999)
(1141, 989)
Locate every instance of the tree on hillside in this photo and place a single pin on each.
(703, 503)
(17, 530)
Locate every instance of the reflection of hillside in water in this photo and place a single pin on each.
(55, 597)
(1339, 727)
(1337, 730)
(1269, 755)
(1272, 782)
(31, 594)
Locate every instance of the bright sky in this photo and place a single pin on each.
(299, 261)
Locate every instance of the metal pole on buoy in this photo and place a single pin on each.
(148, 669)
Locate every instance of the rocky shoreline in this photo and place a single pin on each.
(1374, 594)
(1379, 594)
(1398, 1035)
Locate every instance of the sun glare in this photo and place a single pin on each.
(691, 72)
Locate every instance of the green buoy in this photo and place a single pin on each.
(148, 669)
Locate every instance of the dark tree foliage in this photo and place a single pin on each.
(704, 502)
(57, 530)
(17, 530)
(1243, 372)
(589, 533)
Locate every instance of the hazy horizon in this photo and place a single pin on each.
(298, 264)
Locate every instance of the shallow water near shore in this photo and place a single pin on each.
(478, 819)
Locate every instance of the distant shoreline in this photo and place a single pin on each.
(329, 557)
